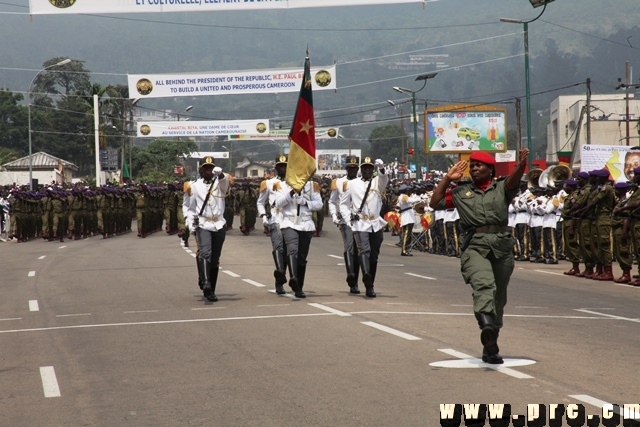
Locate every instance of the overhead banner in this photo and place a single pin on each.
(619, 159)
(277, 80)
(464, 128)
(283, 134)
(202, 128)
(58, 7)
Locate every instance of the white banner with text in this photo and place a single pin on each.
(202, 128)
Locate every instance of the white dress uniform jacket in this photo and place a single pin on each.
(338, 196)
(405, 203)
(302, 219)
(212, 218)
(268, 191)
(370, 220)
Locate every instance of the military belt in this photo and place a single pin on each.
(368, 217)
(209, 219)
(302, 217)
(493, 229)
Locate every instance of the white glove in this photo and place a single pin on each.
(336, 221)
(265, 221)
(379, 162)
(217, 170)
(300, 200)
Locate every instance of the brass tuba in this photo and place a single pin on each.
(533, 177)
(554, 174)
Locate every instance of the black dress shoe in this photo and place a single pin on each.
(370, 293)
(406, 254)
(354, 290)
(280, 290)
(539, 261)
(494, 359)
(212, 297)
(300, 294)
(549, 261)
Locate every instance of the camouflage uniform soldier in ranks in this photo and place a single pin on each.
(601, 204)
(570, 227)
(75, 214)
(338, 188)
(183, 232)
(141, 210)
(620, 231)
(205, 213)
(632, 208)
(583, 225)
(47, 215)
(487, 259)
(248, 202)
(271, 218)
(230, 209)
(59, 209)
(318, 216)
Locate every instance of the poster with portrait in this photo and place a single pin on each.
(333, 162)
(619, 159)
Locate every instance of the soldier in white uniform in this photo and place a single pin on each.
(522, 221)
(268, 190)
(407, 217)
(205, 214)
(362, 211)
(536, 222)
(549, 223)
(338, 187)
(297, 228)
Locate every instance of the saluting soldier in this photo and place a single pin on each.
(584, 225)
(620, 231)
(570, 227)
(487, 259)
(361, 209)
(205, 213)
(350, 254)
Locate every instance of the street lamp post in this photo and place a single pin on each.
(189, 108)
(63, 62)
(230, 159)
(424, 78)
(525, 24)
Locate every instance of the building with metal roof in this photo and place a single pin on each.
(46, 169)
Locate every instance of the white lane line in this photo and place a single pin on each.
(273, 305)
(611, 316)
(33, 305)
(431, 313)
(73, 315)
(461, 305)
(292, 296)
(62, 247)
(163, 322)
(42, 257)
(550, 272)
(31, 273)
(339, 302)
(254, 283)
(526, 306)
(230, 273)
(499, 368)
(49, 382)
(140, 311)
(11, 318)
(189, 251)
(386, 264)
(421, 277)
(392, 331)
(398, 303)
(627, 413)
(193, 255)
(335, 256)
(207, 308)
(329, 309)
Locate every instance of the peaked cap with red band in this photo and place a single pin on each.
(482, 157)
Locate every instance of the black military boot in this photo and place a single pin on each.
(352, 273)
(200, 274)
(280, 272)
(489, 339)
(302, 270)
(293, 273)
(207, 288)
(214, 282)
(367, 279)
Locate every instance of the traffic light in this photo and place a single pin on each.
(410, 151)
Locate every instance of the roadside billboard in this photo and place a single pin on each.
(457, 129)
(333, 162)
(619, 159)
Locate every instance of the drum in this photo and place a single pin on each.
(426, 220)
(419, 207)
(393, 220)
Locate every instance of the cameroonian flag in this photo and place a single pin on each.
(301, 165)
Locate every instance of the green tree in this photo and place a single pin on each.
(13, 123)
(155, 162)
(386, 142)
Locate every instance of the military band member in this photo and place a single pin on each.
(361, 209)
(522, 221)
(487, 259)
(297, 228)
(205, 213)
(272, 218)
(338, 190)
(406, 200)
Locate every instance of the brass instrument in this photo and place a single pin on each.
(419, 207)
(533, 177)
(554, 174)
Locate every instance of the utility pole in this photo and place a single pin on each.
(589, 111)
(518, 127)
(404, 137)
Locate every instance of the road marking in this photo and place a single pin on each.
(49, 382)
(254, 283)
(11, 318)
(193, 255)
(461, 305)
(163, 322)
(385, 264)
(391, 331)
(550, 272)
(33, 305)
(273, 305)
(526, 306)
(339, 302)
(62, 247)
(73, 315)
(611, 316)
(422, 277)
(398, 303)
(230, 273)
(207, 308)
(335, 256)
(329, 309)
(532, 316)
(626, 413)
(42, 257)
(292, 296)
(141, 311)
(475, 362)
(189, 251)
(32, 273)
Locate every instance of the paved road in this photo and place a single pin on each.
(115, 333)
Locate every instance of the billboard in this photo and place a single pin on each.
(458, 129)
(333, 162)
(619, 159)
